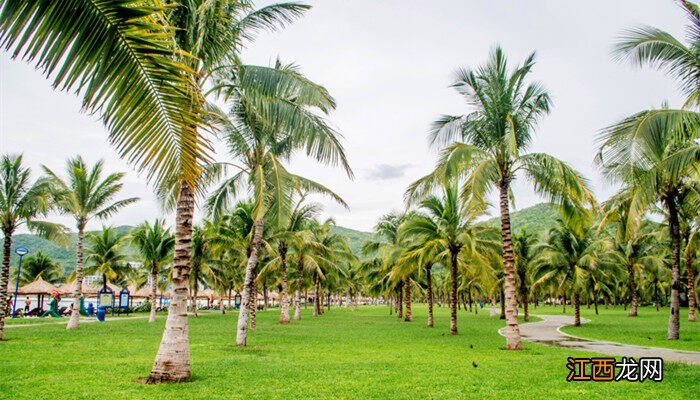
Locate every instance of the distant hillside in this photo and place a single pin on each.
(536, 219)
(356, 238)
(66, 256)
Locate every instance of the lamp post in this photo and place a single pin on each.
(21, 252)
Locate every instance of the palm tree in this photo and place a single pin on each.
(154, 244)
(105, 255)
(676, 128)
(85, 195)
(39, 265)
(261, 141)
(569, 257)
(21, 203)
(492, 142)
(450, 228)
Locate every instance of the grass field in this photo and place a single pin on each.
(647, 329)
(364, 354)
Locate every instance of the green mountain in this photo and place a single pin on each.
(536, 219)
(355, 238)
(65, 256)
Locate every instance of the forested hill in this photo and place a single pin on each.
(536, 219)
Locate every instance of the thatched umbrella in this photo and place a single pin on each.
(40, 288)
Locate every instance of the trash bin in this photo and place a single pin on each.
(101, 312)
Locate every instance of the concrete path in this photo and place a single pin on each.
(64, 321)
(547, 332)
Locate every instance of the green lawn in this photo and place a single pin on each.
(342, 355)
(647, 329)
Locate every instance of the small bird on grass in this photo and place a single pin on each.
(474, 364)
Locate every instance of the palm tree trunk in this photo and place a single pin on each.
(78, 290)
(300, 282)
(453, 292)
(469, 296)
(429, 282)
(154, 288)
(577, 310)
(266, 300)
(503, 304)
(172, 363)
(512, 328)
(284, 309)
(408, 317)
(5, 279)
(674, 228)
(253, 303)
(633, 290)
(328, 305)
(242, 328)
(317, 292)
(194, 299)
(595, 302)
(691, 286)
(526, 314)
(399, 302)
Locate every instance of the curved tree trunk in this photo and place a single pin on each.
(78, 290)
(408, 317)
(172, 363)
(242, 328)
(5, 280)
(691, 286)
(429, 283)
(512, 327)
(154, 288)
(284, 309)
(253, 303)
(674, 229)
(577, 309)
(300, 282)
(633, 290)
(453, 292)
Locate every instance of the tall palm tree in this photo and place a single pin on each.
(85, 195)
(261, 141)
(652, 153)
(489, 147)
(21, 203)
(154, 244)
(105, 255)
(39, 265)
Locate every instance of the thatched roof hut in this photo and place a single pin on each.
(205, 294)
(67, 289)
(39, 286)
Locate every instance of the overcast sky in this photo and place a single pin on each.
(389, 65)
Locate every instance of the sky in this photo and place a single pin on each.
(389, 64)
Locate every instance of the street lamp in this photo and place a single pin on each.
(21, 252)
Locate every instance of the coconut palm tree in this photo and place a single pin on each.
(489, 147)
(449, 227)
(261, 142)
(653, 153)
(21, 203)
(570, 255)
(39, 265)
(105, 255)
(85, 195)
(154, 244)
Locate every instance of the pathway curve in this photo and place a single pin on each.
(547, 332)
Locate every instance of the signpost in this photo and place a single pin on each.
(105, 298)
(124, 298)
(21, 252)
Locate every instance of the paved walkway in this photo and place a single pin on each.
(547, 332)
(64, 321)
